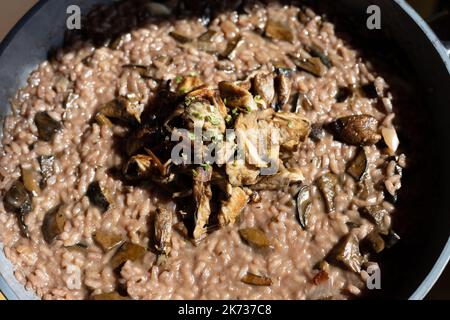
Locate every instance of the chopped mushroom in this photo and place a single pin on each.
(53, 224)
(189, 83)
(327, 186)
(283, 178)
(343, 94)
(163, 231)
(312, 65)
(264, 86)
(107, 240)
(126, 109)
(357, 130)
(349, 254)
(31, 180)
(304, 205)
(303, 103)
(17, 200)
(180, 38)
(231, 208)
(279, 31)
(256, 280)
(127, 252)
(232, 47)
(283, 87)
(97, 196)
(377, 214)
(138, 167)
(376, 241)
(358, 166)
(255, 237)
(293, 129)
(47, 126)
(237, 97)
(318, 53)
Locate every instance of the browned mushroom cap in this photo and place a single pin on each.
(255, 237)
(163, 231)
(357, 130)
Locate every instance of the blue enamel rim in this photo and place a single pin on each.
(443, 259)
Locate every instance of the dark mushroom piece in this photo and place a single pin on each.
(369, 90)
(376, 242)
(231, 48)
(312, 65)
(303, 103)
(127, 252)
(279, 31)
(256, 280)
(206, 41)
(180, 38)
(138, 167)
(377, 214)
(358, 166)
(318, 53)
(202, 197)
(343, 94)
(327, 186)
(97, 197)
(349, 254)
(255, 237)
(107, 240)
(53, 224)
(18, 201)
(126, 109)
(283, 88)
(237, 97)
(47, 126)
(232, 207)
(304, 205)
(360, 130)
(391, 239)
(163, 231)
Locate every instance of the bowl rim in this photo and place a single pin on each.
(439, 265)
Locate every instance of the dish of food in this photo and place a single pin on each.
(96, 204)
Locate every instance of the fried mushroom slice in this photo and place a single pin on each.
(232, 208)
(126, 109)
(264, 86)
(284, 178)
(237, 97)
(349, 253)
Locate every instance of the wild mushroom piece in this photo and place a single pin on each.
(163, 231)
(349, 254)
(107, 240)
(327, 186)
(231, 48)
(279, 31)
(53, 224)
(46, 164)
(98, 197)
(232, 208)
(283, 178)
(377, 214)
(264, 86)
(18, 201)
(237, 97)
(293, 129)
(357, 130)
(242, 174)
(127, 252)
(202, 197)
(312, 65)
(47, 126)
(304, 205)
(283, 88)
(126, 109)
(256, 280)
(189, 83)
(255, 237)
(359, 165)
(31, 180)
